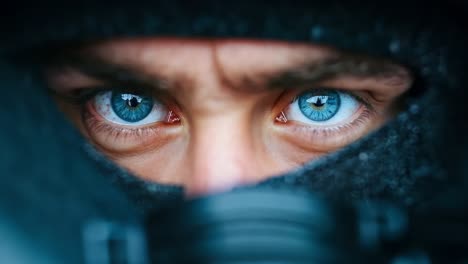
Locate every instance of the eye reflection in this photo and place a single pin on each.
(320, 107)
(131, 107)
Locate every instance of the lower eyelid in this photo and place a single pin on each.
(125, 139)
(98, 124)
(328, 138)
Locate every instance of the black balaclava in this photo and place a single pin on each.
(52, 180)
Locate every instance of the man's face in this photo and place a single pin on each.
(210, 114)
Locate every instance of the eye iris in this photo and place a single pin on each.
(319, 105)
(131, 107)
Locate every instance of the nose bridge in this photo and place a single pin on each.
(221, 154)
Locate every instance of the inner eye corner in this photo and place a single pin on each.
(172, 118)
(281, 118)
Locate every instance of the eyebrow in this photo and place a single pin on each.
(114, 73)
(302, 75)
(344, 65)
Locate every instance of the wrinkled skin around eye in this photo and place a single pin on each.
(210, 129)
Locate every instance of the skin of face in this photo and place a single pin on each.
(227, 104)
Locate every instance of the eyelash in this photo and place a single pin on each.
(328, 131)
(83, 98)
(366, 113)
(116, 132)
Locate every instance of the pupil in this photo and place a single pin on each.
(133, 102)
(319, 103)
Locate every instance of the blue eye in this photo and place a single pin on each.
(319, 105)
(131, 107)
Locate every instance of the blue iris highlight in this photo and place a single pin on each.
(319, 105)
(131, 107)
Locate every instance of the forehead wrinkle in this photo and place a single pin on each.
(307, 71)
(226, 80)
(241, 83)
(249, 68)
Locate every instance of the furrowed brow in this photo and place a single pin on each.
(300, 76)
